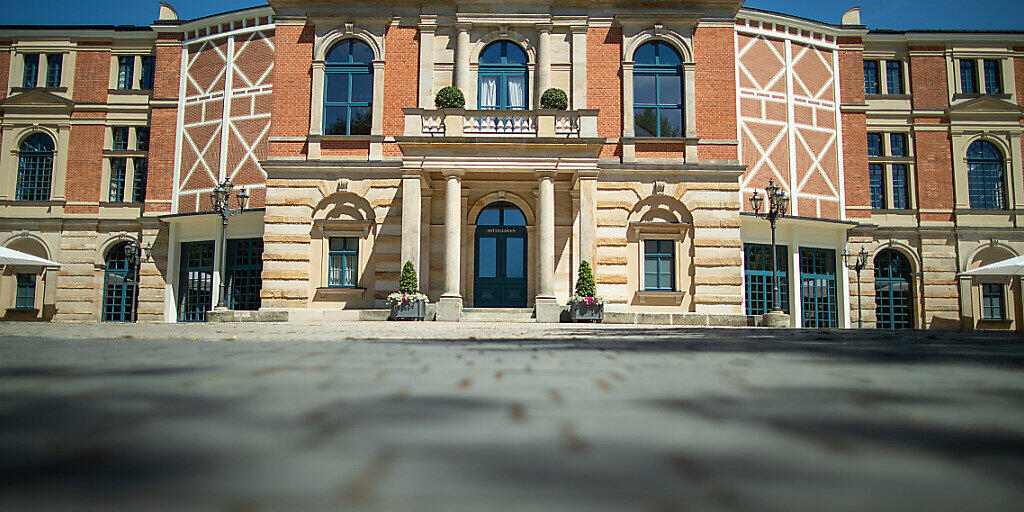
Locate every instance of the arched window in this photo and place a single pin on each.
(893, 291)
(35, 168)
(657, 91)
(120, 284)
(348, 89)
(502, 77)
(985, 182)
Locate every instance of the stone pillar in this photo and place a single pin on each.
(462, 62)
(449, 306)
(588, 219)
(578, 92)
(628, 128)
(543, 61)
(428, 24)
(547, 308)
(411, 217)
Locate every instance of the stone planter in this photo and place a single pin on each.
(409, 310)
(579, 312)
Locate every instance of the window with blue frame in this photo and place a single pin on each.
(54, 65)
(119, 138)
(818, 287)
(342, 262)
(876, 178)
(195, 282)
(993, 77)
(120, 285)
(118, 170)
(140, 168)
(243, 269)
(898, 144)
(900, 187)
(893, 291)
(660, 265)
(503, 83)
(657, 91)
(968, 76)
(757, 264)
(894, 76)
(348, 89)
(31, 75)
(125, 72)
(142, 138)
(25, 297)
(35, 168)
(992, 302)
(146, 79)
(875, 144)
(985, 176)
(871, 84)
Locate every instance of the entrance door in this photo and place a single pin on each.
(195, 288)
(818, 287)
(892, 291)
(500, 280)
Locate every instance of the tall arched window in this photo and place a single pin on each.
(35, 168)
(502, 76)
(893, 291)
(120, 284)
(348, 89)
(986, 188)
(657, 91)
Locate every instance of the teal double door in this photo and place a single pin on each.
(500, 255)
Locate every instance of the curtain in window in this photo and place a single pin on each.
(516, 92)
(489, 91)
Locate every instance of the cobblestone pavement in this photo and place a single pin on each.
(525, 417)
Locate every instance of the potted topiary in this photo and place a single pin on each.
(554, 99)
(408, 303)
(585, 305)
(449, 97)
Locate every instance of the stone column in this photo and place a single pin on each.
(449, 306)
(462, 62)
(411, 208)
(543, 61)
(428, 24)
(547, 308)
(588, 218)
(628, 128)
(578, 94)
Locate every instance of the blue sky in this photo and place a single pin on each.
(898, 14)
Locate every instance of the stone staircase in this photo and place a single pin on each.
(513, 315)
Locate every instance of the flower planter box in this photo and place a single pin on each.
(409, 310)
(579, 312)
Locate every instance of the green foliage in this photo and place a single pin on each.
(585, 286)
(554, 99)
(408, 282)
(449, 97)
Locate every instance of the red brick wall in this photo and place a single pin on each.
(293, 57)
(855, 144)
(5, 63)
(934, 171)
(604, 83)
(928, 79)
(715, 73)
(92, 72)
(163, 124)
(85, 163)
(401, 79)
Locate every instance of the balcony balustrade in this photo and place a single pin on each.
(501, 123)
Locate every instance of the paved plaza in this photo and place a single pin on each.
(429, 416)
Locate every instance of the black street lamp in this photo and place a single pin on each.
(778, 203)
(857, 262)
(221, 199)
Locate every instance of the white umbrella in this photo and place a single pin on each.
(11, 257)
(1008, 267)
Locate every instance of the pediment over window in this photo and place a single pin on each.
(985, 106)
(36, 98)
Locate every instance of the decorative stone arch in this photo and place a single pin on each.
(660, 216)
(493, 197)
(904, 249)
(660, 208)
(995, 245)
(1002, 145)
(348, 31)
(498, 35)
(29, 131)
(110, 243)
(668, 36)
(343, 204)
(32, 240)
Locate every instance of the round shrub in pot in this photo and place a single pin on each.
(449, 97)
(554, 99)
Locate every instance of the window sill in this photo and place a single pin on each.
(659, 297)
(887, 97)
(992, 323)
(346, 138)
(664, 140)
(147, 92)
(973, 95)
(334, 292)
(54, 90)
(125, 153)
(23, 311)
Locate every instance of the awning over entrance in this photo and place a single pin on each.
(10, 257)
(1008, 267)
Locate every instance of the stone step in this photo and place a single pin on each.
(517, 315)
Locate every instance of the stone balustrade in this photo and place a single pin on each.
(501, 123)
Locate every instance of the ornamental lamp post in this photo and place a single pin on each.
(857, 262)
(221, 199)
(777, 205)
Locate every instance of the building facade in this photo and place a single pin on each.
(322, 114)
